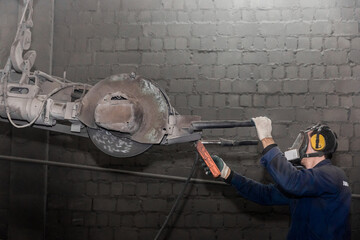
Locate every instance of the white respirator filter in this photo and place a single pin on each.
(292, 154)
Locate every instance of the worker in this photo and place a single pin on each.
(318, 194)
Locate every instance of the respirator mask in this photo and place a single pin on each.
(322, 139)
(297, 151)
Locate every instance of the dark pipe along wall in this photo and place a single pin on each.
(294, 61)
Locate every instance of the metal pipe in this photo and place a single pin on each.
(133, 173)
(94, 168)
(355, 195)
(52, 18)
(50, 78)
(229, 143)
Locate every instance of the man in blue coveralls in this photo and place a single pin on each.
(318, 195)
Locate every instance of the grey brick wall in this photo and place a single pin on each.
(294, 61)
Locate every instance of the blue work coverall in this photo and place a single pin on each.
(319, 198)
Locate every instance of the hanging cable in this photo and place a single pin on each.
(181, 194)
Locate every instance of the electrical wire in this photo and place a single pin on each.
(181, 194)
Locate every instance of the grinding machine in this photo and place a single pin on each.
(123, 115)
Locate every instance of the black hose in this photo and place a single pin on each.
(181, 194)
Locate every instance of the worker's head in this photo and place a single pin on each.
(316, 141)
(322, 139)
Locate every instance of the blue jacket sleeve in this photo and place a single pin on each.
(306, 182)
(257, 192)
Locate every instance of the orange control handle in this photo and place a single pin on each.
(207, 159)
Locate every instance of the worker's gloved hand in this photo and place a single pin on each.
(263, 127)
(221, 165)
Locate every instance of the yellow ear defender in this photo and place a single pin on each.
(318, 142)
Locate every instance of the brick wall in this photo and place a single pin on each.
(294, 61)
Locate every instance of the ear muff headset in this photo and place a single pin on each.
(323, 139)
(317, 140)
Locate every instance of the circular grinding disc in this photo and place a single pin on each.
(115, 146)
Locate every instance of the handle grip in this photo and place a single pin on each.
(200, 125)
(207, 159)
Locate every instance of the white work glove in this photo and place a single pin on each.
(221, 165)
(263, 127)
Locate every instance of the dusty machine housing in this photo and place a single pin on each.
(124, 114)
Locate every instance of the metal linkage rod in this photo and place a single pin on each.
(102, 169)
(230, 143)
